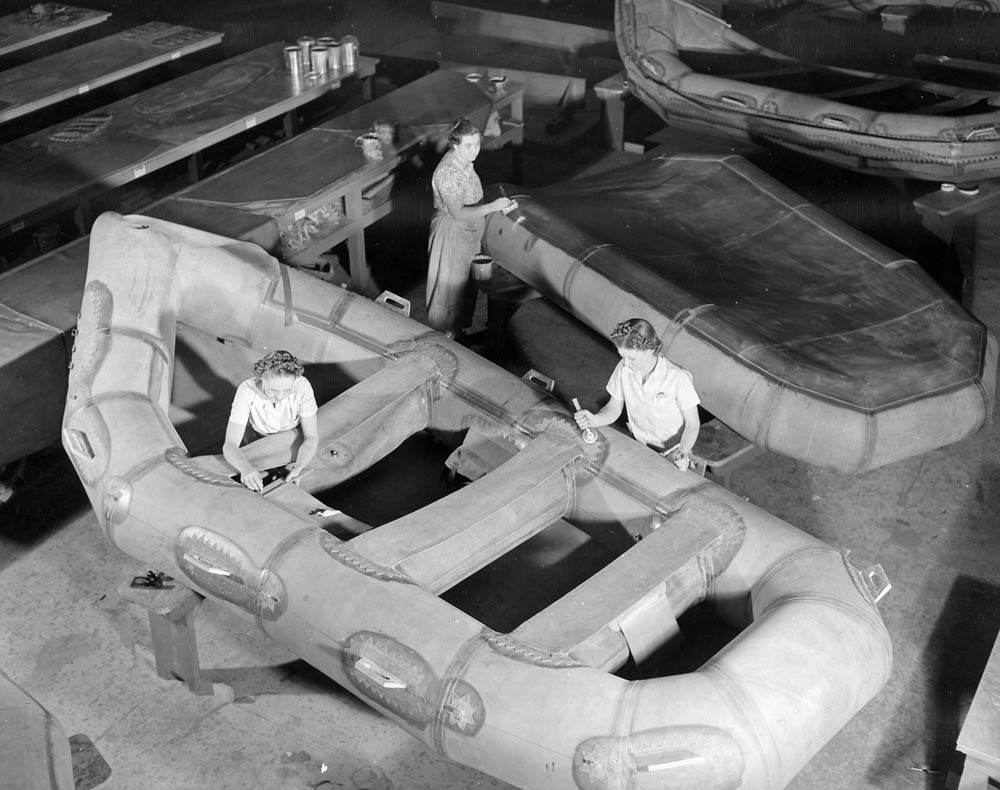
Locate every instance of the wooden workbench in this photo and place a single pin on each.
(317, 190)
(42, 21)
(74, 72)
(61, 167)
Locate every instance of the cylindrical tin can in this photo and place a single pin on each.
(335, 54)
(325, 41)
(349, 47)
(293, 59)
(320, 61)
(305, 44)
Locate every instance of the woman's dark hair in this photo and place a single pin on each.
(281, 362)
(461, 127)
(636, 333)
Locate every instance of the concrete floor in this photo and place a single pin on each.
(274, 723)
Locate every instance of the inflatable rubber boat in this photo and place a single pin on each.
(803, 335)
(695, 71)
(540, 706)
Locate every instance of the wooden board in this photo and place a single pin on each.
(567, 36)
(73, 72)
(42, 21)
(980, 734)
(52, 169)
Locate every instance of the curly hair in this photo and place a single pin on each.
(461, 127)
(636, 333)
(279, 362)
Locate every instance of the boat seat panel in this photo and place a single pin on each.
(449, 540)
(602, 620)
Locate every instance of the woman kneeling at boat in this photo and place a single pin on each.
(659, 397)
(277, 398)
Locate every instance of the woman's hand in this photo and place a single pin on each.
(295, 470)
(680, 458)
(584, 419)
(252, 480)
(504, 204)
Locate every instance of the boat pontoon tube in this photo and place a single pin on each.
(802, 334)
(537, 707)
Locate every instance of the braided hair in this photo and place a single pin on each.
(636, 333)
(278, 362)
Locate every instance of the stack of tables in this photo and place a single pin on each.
(61, 168)
(77, 71)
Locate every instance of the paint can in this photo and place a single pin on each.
(305, 44)
(349, 52)
(334, 54)
(319, 59)
(293, 60)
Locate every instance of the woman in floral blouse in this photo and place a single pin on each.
(457, 226)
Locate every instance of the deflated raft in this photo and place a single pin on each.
(538, 707)
(802, 334)
(694, 70)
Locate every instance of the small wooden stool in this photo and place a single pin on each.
(171, 623)
(719, 450)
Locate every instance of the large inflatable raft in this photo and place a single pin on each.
(694, 70)
(540, 706)
(803, 335)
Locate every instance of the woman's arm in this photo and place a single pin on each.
(307, 450)
(692, 426)
(231, 451)
(610, 412)
(462, 213)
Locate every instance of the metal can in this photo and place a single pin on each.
(320, 61)
(335, 54)
(305, 44)
(293, 60)
(349, 52)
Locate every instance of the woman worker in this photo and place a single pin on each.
(457, 226)
(659, 396)
(277, 398)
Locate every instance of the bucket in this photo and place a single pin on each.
(482, 268)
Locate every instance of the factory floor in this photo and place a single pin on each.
(271, 722)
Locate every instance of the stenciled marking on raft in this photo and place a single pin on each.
(392, 675)
(357, 562)
(682, 757)
(216, 564)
